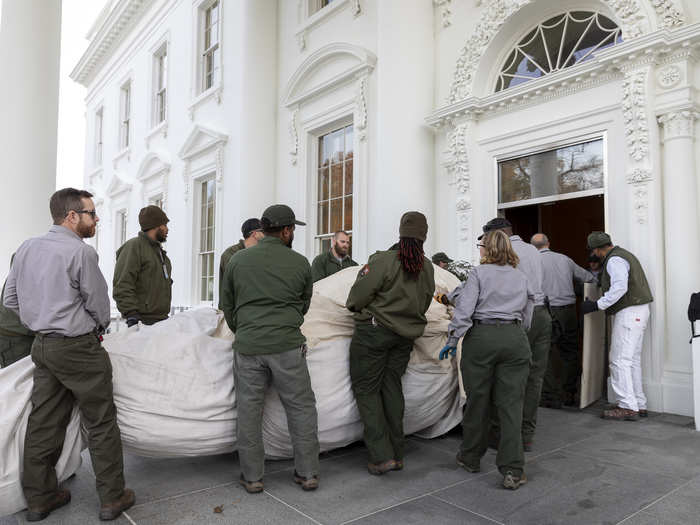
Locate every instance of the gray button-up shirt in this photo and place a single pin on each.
(559, 275)
(531, 265)
(491, 292)
(56, 286)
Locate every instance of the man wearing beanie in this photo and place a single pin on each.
(627, 295)
(142, 284)
(389, 300)
(252, 233)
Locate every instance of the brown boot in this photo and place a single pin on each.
(399, 464)
(251, 487)
(621, 414)
(61, 497)
(306, 483)
(111, 511)
(377, 469)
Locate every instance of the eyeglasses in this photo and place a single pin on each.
(91, 213)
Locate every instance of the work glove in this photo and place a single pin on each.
(447, 350)
(132, 320)
(589, 306)
(442, 299)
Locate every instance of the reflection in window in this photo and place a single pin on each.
(206, 240)
(560, 42)
(335, 185)
(211, 53)
(560, 171)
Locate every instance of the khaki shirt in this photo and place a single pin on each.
(558, 277)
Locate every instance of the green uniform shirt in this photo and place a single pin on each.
(225, 258)
(140, 283)
(326, 264)
(266, 292)
(638, 291)
(397, 302)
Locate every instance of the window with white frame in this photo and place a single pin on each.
(98, 137)
(206, 240)
(121, 223)
(317, 5)
(210, 51)
(156, 200)
(335, 186)
(160, 82)
(125, 115)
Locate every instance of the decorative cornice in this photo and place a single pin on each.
(678, 124)
(117, 25)
(669, 76)
(634, 115)
(456, 159)
(445, 11)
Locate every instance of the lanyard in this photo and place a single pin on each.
(162, 262)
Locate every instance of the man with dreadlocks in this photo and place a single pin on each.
(389, 299)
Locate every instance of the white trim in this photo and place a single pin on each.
(160, 48)
(311, 20)
(197, 93)
(552, 198)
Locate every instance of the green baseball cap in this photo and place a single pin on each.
(279, 215)
(598, 239)
(441, 257)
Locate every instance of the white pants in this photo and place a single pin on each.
(626, 357)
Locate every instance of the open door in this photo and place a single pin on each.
(594, 355)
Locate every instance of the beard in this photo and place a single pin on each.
(161, 236)
(85, 231)
(290, 241)
(341, 250)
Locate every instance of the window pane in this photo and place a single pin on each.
(347, 226)
(322, 218)
(337, 145)
(560, 171)
(348, 141)
(336, 215)
(348, 177)
(325, 150)
(203, 294)
(323, 184)
(336, 180)
(325, 244)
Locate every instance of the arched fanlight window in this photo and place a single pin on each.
(560, 42)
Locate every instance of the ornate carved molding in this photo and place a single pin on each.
(456, 158)
(360, 117)
(668, 14)
(186, 180)
(641, 203)
(356, 8)
(639, 176)
(634, 115)
(294, 135)
(445, 11)
(669, 76)
(678, 124)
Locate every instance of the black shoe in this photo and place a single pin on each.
(111, 511)
(60, 498)
(643, 413)
(570, 399)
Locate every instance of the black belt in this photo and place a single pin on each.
(563, 307)
(56, 335)
(496, 321)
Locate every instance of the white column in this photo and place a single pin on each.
(403, 176)
(680, 232)
(29, 61)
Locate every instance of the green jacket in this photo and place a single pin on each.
(326, 264)
(638, 291)
(10, 325)
(225, 258)
(140, 283)
(397, 302)
(266, 292)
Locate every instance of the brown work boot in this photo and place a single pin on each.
(60, 497)
(513, 481)
(111, 511)
(399, 464)
(377, 469)
(643, 413)
(251, 487)
(621, 414)
(306, 483)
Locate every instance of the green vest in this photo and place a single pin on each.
(638, 291)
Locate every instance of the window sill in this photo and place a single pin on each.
(125, 153)
(95, 175)
(214, 91)
(161, 128)
(321, 15)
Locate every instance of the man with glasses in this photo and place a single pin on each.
(56, 287)
(252, 234)
(142, 284)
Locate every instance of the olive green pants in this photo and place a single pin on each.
(288, 373)
(565, 342)
(378, 360)
(495, 365)
(70, 370)
(14, 348)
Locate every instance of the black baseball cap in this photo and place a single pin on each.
(250, 226)
(279, 215)
(495, 224)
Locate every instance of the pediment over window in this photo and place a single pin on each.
(328, 67)
(118, 185)
(200, 140)
(153, 164)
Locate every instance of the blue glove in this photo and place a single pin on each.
(447, 350)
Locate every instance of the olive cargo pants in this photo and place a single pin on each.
(378, 360)
(14, 347)
(495, 365)
(288, 373)
(566, 342)
(70, 370)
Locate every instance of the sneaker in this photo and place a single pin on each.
(527, 446)
(399, 464)
(111, 511)
(466, 466)
(512, 481)
(620, 414)
(377, 469)
(251, 487)
(643, 413)
(60, 498)
(306, 483)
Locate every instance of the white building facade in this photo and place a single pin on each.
(563, 116)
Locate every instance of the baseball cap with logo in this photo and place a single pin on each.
(495, 224)
(279, 215)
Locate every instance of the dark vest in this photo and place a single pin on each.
(638, 291)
